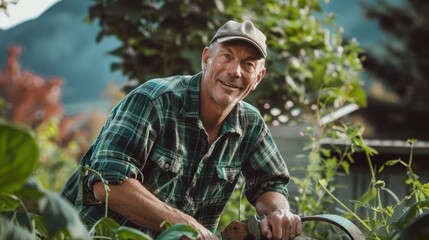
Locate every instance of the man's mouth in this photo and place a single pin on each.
(229, 85)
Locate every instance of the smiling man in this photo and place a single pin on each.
(173, 148)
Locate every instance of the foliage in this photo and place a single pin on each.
(29, 212)
(308, 61)
(237, 208)
(33, 101)
(311, 72)
(380, 221)
(56, 161)
(328, 161)
(28, 98)
(22, 200)
(400, 62)
(160, 38)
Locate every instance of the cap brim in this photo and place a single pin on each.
(231, 38)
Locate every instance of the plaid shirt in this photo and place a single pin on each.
(155, 135)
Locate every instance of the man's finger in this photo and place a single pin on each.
(298, 227)
(265, 229)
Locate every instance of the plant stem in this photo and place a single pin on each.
(373, 180)
(413, 176)
(28, 219)
(371, 168)
(106, 190)
(240, 200)
(345, 207)
(380, 206)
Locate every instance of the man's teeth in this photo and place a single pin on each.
(229, 85)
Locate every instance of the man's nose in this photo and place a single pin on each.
(234, 69)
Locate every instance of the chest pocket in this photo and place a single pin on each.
(223, 184)
(161, 174)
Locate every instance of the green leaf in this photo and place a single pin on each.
(8, 203)
(166, 224)
(381, 168)
(368, 196)
(425, 189)
(389, 211)
(104, 226)
(130, 233)
(412, 212)
(392, 162)
(31, 190)
(325, 152)
(359, 204)
(19, 157)
(59, 216)
(177, 231)
(346, 167)
(13, 231)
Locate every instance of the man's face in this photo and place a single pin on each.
(230, 71)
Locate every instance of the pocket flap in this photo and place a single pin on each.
(229, 174)
(168, 163)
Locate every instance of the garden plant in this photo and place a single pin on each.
(312, 74)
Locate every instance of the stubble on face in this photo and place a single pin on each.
(230, 71)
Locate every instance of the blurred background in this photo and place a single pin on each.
(59, 43)
(64, 64)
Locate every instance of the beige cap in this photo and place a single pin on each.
(246, 31)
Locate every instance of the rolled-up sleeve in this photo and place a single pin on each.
(124, 143)
(266, 170)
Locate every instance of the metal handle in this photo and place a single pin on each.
(249, 229)
(346, 225)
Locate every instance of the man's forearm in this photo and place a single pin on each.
(134, 202)
(271, 201)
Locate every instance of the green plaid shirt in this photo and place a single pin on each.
(156, 136)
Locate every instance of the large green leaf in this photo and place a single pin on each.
(130, 233)
(109, 228)
(59, 216)
(8, 230)
(412, 213)
(8, 203)
(177, 232)
(19, 157)
(31, 190)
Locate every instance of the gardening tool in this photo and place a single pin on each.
(249, 229)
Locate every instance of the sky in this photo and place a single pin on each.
(23, 11)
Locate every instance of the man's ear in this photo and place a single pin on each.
(205, 58)
(259, 77)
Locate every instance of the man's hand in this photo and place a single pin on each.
(281, 224)
(205, 234)
(133, 201)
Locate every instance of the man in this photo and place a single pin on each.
(173, 148)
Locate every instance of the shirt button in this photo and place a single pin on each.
(166, 165)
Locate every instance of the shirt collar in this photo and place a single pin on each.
(191, 105)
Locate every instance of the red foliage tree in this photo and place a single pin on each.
(28, 98)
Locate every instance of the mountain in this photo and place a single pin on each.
(60, 44)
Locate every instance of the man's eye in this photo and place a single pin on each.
(250, 64)
(226, 56)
